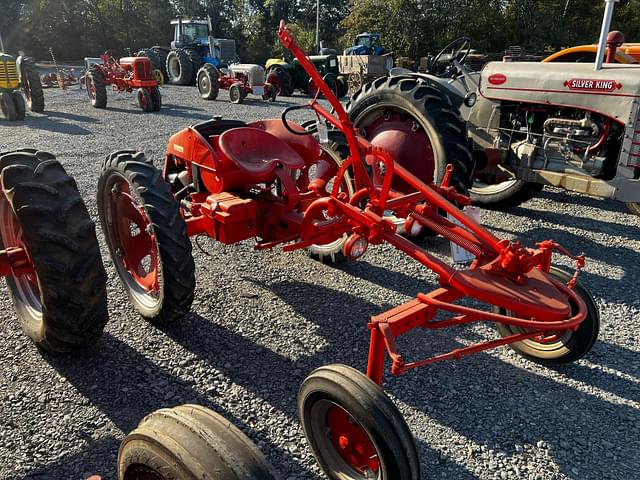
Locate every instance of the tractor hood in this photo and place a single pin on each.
(610, 91)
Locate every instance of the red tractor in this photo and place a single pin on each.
(274, 181)
(240, 79)
(124, 75)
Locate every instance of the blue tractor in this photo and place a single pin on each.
(366, 44)
(191, 48)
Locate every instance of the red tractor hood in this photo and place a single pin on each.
(610, 91)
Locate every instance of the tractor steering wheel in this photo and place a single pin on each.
(459, 49)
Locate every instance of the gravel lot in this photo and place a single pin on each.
(263, 320)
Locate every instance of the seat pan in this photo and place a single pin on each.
(257, 152)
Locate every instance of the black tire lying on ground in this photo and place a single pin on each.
(190, 442)
(63, 304)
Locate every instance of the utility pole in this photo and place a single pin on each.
(318, 25)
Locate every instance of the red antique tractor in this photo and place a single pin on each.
(240, 79)
(49, 254)
(274, 181)
(124, 75)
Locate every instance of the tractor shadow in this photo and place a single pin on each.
(178, 111)
(125, 385)
(42, 122)
(541, 409)
(563, 196)
(70, 116)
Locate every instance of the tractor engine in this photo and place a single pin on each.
(254, 73)
(563, 140)
(140, 67)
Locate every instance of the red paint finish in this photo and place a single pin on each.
(591, 85)
(351, 441)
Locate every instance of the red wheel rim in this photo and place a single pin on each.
(26, 283)
(407, 142)
(142, 100)
(351, 441)
(134, 243)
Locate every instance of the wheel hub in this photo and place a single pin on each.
(407, 143)
(351, 442)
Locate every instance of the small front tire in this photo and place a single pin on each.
(353, 428)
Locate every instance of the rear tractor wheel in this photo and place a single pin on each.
(60, 291)
(353, 428)
(190, 442)
(279, 77)
(207, 80)
(147, 237)
(31, 87)
(270, 92)
(179, 67)
(96, 87)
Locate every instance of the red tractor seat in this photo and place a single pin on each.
(258, 153)
(306, 145)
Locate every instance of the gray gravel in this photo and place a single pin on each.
(263, 320)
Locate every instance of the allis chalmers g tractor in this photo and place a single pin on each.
(240, 79)
(272, 180)
(124, 75)
(16, 75)
(532, 124)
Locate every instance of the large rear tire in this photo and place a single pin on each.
(569, 345)
(96, 87)
(196, 64)
(32, 87)
(152, 55)
(190, 442)
(414, 119)
(278, 76)
(207, 80)
(162, 53)
(147, 237)
(62, 301)
(179, 67)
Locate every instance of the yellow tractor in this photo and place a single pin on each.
(17, 77)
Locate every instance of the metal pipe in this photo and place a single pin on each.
(609, 5)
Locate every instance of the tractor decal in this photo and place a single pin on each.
(587, 85)
(497, 79)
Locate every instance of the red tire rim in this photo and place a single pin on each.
(343, 443)
(132, 242)
(143, 100)
(26, 283)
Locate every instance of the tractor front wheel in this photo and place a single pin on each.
(561, 347)
(207, 80)
(353, 428)
(32, 87)
(96, 87)
(21, 108)
(237, 93)
(60, 296)
(156, 99)
(144, 100)
(147, 237)
(8, 106)
(190, 442)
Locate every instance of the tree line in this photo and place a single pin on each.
(413, 28)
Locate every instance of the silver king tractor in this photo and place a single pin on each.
(570, 125)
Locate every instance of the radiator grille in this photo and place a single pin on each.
(634, 151)
(8, 75)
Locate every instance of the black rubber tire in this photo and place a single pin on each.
(511, 196)
(270, 92)
(21, 107)
(236, 93)
(284, 80)
(145, 102)
(179, 67)
(333, 253)
(196, 62)
(575, 346)
(368, 406)
(162, 53)
(426, 102)
(176, 266)
(8, 106)
(61, 240)
(32, 87)
(634, 207)
(156, 98)
(190, 442)
(96, 77)
(343, 86)
(207, 81)
(151, 54)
